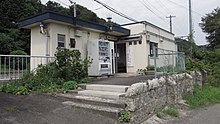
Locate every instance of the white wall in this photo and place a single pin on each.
(141, 52)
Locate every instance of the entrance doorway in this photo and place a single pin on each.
(120, 58)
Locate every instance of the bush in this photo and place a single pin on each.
(70, 85)
(21, 90)
(15, 88)
(150, 68)
(68, 67)
(168, 111)
(124, 117)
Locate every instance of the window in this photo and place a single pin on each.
(61, 40)
(140, 42)
(72, 43)
(130, 43)
(152, 45)
(135, 42)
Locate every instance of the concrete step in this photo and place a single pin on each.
(117, 103)
(110, 88)
(102, 94)
(111, 112)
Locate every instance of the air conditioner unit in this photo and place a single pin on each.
(78, 33)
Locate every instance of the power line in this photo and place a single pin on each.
(163, 6)
(115, 11)
(145, 5)
(154, 7)
(98, 8)
(184, 7)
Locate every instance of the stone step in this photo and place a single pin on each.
(102, 94)
(110, 88)
(117, 103)
(111, 112)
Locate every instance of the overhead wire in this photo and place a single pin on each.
(184, 7)
(153, 7)
(115, 11)
(147, 7)
(163, 6)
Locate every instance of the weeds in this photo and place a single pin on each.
(170, 111)
(124, 117)
(203, 96)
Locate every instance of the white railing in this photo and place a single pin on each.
(14, 66)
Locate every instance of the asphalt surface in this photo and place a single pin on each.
(207, 115)
(44, 109)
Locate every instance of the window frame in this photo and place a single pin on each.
(72, 43)
(151, 49)
(59, 41)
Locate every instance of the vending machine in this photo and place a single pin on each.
(102, 54)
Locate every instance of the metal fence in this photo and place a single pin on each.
(166, 61)
(14, 66)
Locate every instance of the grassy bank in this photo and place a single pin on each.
(203, 96)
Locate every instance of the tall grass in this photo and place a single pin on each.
(203, 96)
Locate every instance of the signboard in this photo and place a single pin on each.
(130, 55)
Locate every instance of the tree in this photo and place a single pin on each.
(211, 25)
(11, 11)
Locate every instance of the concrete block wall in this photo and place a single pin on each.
(145, 98)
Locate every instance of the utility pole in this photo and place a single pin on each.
(74, 7)
(170, 17)
(190, 27)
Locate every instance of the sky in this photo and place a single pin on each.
(155, 12)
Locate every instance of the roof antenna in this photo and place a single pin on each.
(74, 7)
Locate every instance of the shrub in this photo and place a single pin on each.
(150, 68)
(70, 85)
(124, 117)
(21, 90)
(68, 67)
(171, 111)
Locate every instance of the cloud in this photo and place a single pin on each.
(161, 9)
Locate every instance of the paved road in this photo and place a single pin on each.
(207, 115)
(43, 109)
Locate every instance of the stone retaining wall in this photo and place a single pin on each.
(145, 98)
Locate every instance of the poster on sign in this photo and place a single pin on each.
(130, 56)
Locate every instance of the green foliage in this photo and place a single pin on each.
(17, 61)
(171, 111)
(70, 85)
(124, 117)
(21, 90)
(68, 66)
(203, 96)
(211, 25)
(18, 52)
(15, 88)
(168, 111)
(214, 78)
(11, 11)
(150, 68)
